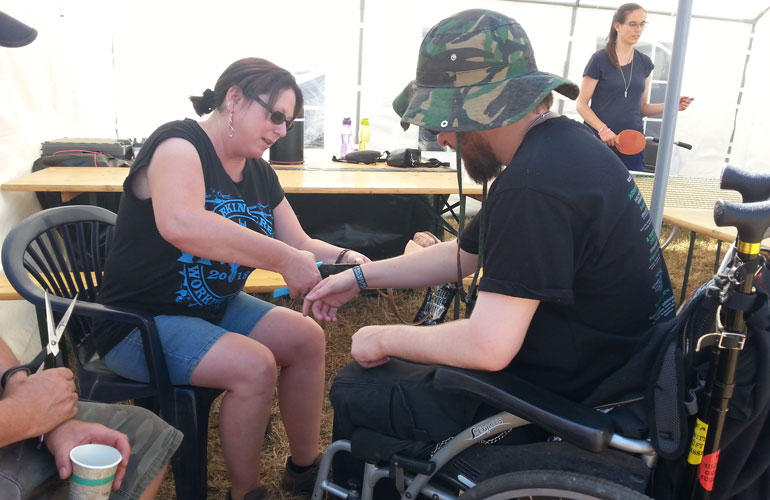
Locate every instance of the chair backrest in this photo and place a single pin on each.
(61, 250)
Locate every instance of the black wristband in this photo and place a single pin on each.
(359, 274)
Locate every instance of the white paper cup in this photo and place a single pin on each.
(93, 470)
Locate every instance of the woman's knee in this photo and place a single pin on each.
(314, 337)
(237, 363)
(291, 337)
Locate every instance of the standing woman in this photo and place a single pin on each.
(616, 82)
(200, 211)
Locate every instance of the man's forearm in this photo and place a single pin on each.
(7, 360)
(430, 266)
(14, 422)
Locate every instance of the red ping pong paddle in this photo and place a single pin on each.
(631, 142)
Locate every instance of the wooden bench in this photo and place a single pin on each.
(259, 281)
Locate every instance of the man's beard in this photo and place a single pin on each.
(480, 160)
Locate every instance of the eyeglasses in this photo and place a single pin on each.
(276, 116)
(634, 26)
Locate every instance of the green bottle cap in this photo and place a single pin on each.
(364, 121)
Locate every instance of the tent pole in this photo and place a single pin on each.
(663, 161)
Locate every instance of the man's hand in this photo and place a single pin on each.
(46, 399)
(71, 433)
(366, 347)
(329, 295)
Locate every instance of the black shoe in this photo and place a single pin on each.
(304, 481)
(259, 493)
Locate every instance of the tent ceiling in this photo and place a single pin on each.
(741, 11)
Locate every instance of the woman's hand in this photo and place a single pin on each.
(684, 101)
(71, 433)
(301, 273)
(608, 137)
(329, 295)
(353, 257)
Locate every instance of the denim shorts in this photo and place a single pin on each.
(185, 340)
(27, 472)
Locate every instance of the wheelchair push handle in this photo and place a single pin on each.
(683, 145)
(753, 186)
(751, 220)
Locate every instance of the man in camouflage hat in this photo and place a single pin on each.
(573, 273)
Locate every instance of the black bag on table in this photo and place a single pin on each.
(79, 158)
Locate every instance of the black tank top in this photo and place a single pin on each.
(145, 271)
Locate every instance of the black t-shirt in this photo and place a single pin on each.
(609, 102)
(567, 226)
(145, 271)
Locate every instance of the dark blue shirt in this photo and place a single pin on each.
(608, 100)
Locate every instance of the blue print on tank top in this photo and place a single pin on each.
(206, 284)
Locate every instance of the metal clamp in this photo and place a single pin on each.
(722, 340)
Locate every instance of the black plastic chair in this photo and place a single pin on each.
(63, 250)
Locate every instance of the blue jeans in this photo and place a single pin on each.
(185, 340)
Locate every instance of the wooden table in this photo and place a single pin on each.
(316, 178)
(700, 221)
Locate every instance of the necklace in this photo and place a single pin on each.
(631, 73)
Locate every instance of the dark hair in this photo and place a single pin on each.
(612, 38)
(253, 76)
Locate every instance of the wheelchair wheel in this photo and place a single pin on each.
(549, 484)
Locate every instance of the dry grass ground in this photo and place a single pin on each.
(374, 310)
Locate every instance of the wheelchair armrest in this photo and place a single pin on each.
(579, 424)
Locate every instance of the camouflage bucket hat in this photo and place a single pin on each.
(476, 71)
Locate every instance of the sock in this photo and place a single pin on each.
(296, 468)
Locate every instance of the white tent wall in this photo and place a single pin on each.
(118, 69)
(751, 147)
(52, 88)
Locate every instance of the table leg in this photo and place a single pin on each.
(436, 212)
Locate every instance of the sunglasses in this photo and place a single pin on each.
(276, 116)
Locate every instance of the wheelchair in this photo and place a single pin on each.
(596, 449)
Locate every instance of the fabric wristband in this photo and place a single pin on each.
(359, 274)
(341, 255)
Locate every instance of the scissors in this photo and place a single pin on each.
(52, 347)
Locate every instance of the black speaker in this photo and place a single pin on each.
(290, 149)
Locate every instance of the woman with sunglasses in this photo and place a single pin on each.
(200, 211)
(616, 82)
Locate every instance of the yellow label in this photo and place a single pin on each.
(698, 442)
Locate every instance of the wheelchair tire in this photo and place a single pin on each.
(550, 484)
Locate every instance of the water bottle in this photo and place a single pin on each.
(347, 134)
(363, 135)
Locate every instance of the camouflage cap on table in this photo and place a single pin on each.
(476, 71)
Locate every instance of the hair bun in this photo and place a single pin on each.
(206, 103)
